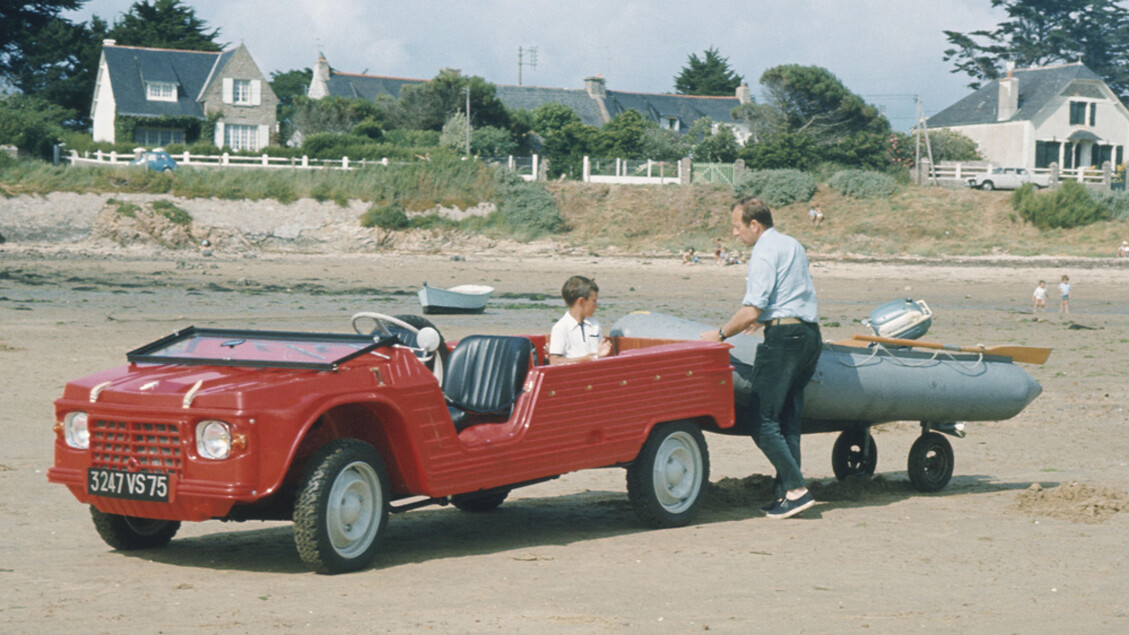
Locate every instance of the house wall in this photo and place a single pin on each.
(1111, 121)
(263, 115)
(1010, 144)
(103, 108)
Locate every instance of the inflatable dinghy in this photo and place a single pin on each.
(856, 387)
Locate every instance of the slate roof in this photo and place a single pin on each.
(686, 107)
(130, 67)
(530, 97)
(356, 86)
(653, 106)
(1037, 87)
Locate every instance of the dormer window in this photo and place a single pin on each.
(160, 91)
(670, 123)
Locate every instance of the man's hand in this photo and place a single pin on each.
(711, 335)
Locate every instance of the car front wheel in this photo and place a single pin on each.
(988, 186)
(127, 533)
(342, 507)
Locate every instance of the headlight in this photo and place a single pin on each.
(213, 439)
(76, 430)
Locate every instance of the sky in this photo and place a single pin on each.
(887, 51)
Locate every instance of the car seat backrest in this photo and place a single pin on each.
(485, 373)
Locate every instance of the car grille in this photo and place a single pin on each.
(154, 446)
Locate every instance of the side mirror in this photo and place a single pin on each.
(428, 339)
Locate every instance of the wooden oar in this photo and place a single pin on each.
(1026, 354)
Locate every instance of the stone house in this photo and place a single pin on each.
(163, 96)
(594, 104)
(1034, 117)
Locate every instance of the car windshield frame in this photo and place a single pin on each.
(257, 349)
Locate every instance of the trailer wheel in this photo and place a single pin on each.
(848, 457)
(478, 502)
(342, 507)
(930, 462)
(127, 533)
(666, 481)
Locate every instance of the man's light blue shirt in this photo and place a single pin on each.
(779, 281)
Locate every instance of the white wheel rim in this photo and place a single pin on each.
(677, 472)
(353, 510)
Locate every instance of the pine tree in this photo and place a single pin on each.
(710, 75)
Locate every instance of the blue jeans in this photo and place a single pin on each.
(784, 365)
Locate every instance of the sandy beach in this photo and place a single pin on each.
(1028, 536)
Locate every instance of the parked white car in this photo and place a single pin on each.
(1008, 179)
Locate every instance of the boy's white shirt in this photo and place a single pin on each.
(569, 340)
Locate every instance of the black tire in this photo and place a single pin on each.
(127, 533)
(478, 502)
(442, 353)
(848, 458)
(666, 481)
(342, 507)
(987, 186)
(930, 462)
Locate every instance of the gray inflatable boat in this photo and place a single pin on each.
(855, 388)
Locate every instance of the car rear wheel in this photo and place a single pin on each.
(127, 533)
(666, 481)
(342, 507)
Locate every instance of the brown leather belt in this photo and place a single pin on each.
(779, 321)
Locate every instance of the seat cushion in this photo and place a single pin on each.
(485, 373)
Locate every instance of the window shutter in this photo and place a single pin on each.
(228, 90)
(1093, 112)
(256, 92)
(264, 137)
(219, 134)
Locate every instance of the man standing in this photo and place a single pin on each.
(779, 296)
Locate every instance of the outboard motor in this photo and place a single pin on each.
(906, 319)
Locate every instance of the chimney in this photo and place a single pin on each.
(108, 42)
(319, 83)
(595, 87)
(1009, 95)
(744, 95)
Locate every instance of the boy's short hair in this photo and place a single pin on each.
(578, 287)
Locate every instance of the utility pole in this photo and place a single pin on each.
(532, 63)
(921, 129)
(468, 121)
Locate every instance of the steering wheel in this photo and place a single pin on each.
(381, 322)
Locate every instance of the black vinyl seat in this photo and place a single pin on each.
(484, 376)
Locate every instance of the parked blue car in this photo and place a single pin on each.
(157, 160)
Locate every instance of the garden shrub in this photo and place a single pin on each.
(1069, 206)
(1117, 202)
(528, 209)
(863, 184)
(776, 187)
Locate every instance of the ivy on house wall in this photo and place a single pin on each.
(193, 128)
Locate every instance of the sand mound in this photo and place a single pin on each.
(1076, 502)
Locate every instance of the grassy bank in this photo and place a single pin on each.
(915, 221)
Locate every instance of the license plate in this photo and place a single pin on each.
(139, 486)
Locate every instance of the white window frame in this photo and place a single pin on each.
(241, 136)
(160, 91)
(241, 92)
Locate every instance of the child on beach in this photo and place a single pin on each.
(1064, 291)
(576, 336)
(1040, 297)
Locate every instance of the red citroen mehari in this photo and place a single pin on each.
(335, 431)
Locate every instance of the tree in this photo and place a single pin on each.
(18, 19)
(551, 117)
(288, 85)
(622, 136)
(165, 24)
(428, 106)
(1042, 32)
(762, 120)
(813, 99)
(30, 123)
(333, 115)
(708, 75)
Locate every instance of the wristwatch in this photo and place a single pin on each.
(721, 333)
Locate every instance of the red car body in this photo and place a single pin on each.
(144, 417)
